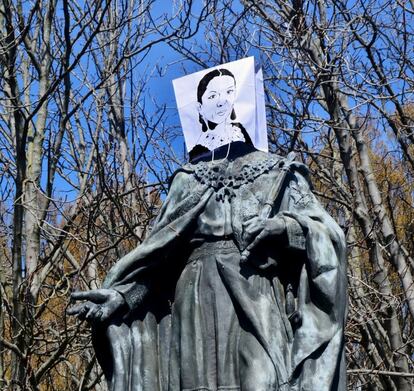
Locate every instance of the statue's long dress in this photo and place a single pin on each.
(212, 323)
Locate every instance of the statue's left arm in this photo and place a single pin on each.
(317, 268)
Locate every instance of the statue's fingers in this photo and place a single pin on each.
(95, 295)
(80, 310)
(76, 309)
(80, 295)
(253, 226)
(246, 253)
(82, 313)
(252, 230)
(256, 241)
(250, 221)
(245, 256)
(93, 311)
(99, 315)
(104, 315)
(253, 222)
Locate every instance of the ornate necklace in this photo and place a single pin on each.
(224, 179)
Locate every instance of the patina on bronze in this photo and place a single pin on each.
(241, 285)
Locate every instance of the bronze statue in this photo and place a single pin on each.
(241, 285)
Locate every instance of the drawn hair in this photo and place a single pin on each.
(201, 89)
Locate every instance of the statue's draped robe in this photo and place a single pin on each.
(153, 347)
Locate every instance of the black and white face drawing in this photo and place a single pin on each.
(222, 105)
(216, 93)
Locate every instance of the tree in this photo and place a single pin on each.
(334, 72)
(78, 193)
(85, 154)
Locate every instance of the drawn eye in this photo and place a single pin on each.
(230, 91)
(211, 96)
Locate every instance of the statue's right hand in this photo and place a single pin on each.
(99, 306)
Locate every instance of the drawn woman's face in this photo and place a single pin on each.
(218, 99)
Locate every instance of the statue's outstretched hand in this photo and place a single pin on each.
(257, 229)
(101, 304)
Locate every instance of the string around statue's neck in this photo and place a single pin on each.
(228, 150)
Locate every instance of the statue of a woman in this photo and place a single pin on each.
(221, 296)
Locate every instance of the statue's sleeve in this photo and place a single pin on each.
(318, 348)
(296, 239)
(129, 275)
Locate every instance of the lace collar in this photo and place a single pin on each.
(226, 176)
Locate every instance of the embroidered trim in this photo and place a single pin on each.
(299, 197)
(224, 182)
(216, 247)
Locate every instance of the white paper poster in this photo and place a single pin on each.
(222, 104)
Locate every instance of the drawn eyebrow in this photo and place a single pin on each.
(212, 91)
